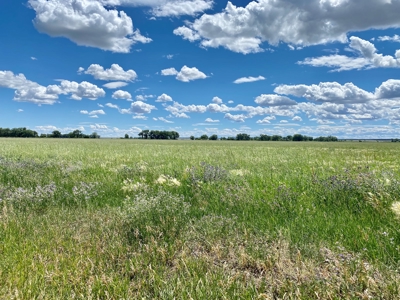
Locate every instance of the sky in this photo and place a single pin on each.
(314, 67)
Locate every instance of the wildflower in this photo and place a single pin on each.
(396, 208)
(239, 172)
(130, 186)
(168, 180)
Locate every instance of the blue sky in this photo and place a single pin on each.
(315, 67)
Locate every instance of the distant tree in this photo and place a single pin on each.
(276, 138)
(214, 137)
(298, 137)
(94, 135)
(204, 137)
(264, 137)
(126, 136)
(242, 137)
(56, 134)
(192, 137)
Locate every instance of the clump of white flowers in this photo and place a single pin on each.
(396, 208)
(167, 180)
(239, 172)
(130, 186)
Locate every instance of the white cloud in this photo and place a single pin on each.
(115, 85)
(166, 8)
(94, 116)
(367, 58)
(179, 110)
(297, 118)
(209, 120)
(187, 33)
(164, 98)
(182, 7)
(186, 74)
(164, 120)
(100, 105)
(139, 107)
(80, 90)
(235, 118)
(248, 79)
(300, 23)
(389, 89)
(20, 110)
(170, 56)
(97, 112)
(231, 102)
(140, 117)
(395, 38)
(33, 58)
(26, 90)
(169, 72)
(327, 91)
(266, 120)
(116, 72)
(86, 23)
(274, 100)
(217, 100)
(84, 112)
(110, 105)
(122, 95)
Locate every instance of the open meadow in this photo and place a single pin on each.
(147, 219)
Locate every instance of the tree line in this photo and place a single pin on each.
(158, 135)
(23, 132)
(265, 137)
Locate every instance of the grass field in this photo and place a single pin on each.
(139, 219)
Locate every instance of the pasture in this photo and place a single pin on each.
(146, 219)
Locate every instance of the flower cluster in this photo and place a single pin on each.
(167, 180)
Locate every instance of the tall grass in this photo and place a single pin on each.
(123, 219)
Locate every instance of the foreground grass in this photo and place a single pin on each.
(117, 219)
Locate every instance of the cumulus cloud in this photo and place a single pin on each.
(29, 91)
(266, 120)
(274, 100)
(300, 23)
(297, 119)
(115, 73)
(79, 90)
(169, 72)
(115, 85)
(186, 74)
(26, 90)
(248, 79)
(217, 100)
(235, 118)
(86, 23)
(140, 107)
(180, 111)
(389, 89)
(327, 91)
(164, 98)
(122, 95)
(367, 58)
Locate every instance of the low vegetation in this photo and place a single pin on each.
(149, 219)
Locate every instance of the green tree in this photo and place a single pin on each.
(192, 137)
(213, 137)
(126, 136)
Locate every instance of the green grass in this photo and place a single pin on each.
(123, 219)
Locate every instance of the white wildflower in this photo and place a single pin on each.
(239, 172)
(168, 180)
(396, 208)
